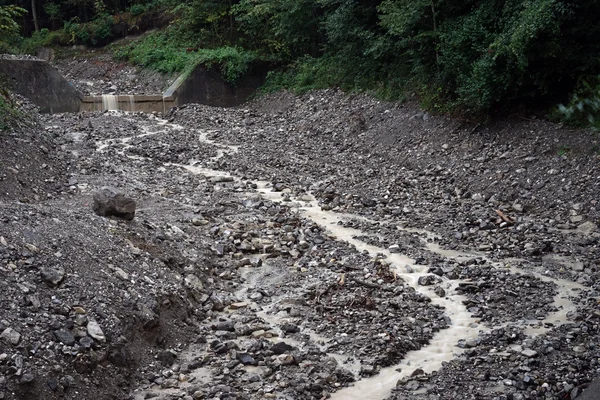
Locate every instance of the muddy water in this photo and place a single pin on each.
(442, 347)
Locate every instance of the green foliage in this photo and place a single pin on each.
(584, 108)
(95, 33)
(9, 29)
(282, 29)
(10, 115)
(8, 25)
(44, 38)
(233, 62)
(164, 51)
(454, 55)
(53, 11)
(168, 51)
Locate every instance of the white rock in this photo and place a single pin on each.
(95, 331)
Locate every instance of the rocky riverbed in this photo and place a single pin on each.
(299, 247)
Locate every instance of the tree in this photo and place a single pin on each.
(8, 26)
(36, 22)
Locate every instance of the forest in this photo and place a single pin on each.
(468, 57)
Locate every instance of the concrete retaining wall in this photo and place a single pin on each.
(207, 87)
(45, 86)
(42, 84)
(143, 103)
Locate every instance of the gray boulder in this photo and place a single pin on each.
(109, 202)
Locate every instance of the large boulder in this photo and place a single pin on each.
(109, 202)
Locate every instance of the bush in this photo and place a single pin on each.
(95, 33)
(44, 38)
(584, 108)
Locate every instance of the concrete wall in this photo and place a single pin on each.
(42, 84)
(136, 103)
(207, 87)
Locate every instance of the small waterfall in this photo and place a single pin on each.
(131, 103)
(110, 102)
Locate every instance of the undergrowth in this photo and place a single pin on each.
(171, 51)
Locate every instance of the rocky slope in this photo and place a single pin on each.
(296, 248)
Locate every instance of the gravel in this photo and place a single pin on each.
(228, 283)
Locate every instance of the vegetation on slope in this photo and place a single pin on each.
(469, 56)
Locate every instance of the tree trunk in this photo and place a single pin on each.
(36, 23)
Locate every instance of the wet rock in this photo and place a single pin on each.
(109, 202)
(246, 359)
(428, 280)
(281, 348)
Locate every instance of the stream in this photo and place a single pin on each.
(443, 347)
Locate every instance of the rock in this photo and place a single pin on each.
(440, 291)
(367, 202)
(53, 276)
(11, 336)
(167, 358)
(529, 353)
(246, 359)
(121, 274)
(95, 331)
(394, 248)
(86, 342)
(427, 280)
(108, 202)
(193, 282)
(290, 328)
(587, 228)
(236, 306)
(477, 197)
(281, 348)
(285, 359)
(65, 337)
(26, 379)
(576, 219)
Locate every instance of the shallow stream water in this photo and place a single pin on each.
(443, 347)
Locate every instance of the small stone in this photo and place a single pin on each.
(427, 280)
(53, 276)
(579, 349)
(65, 337)
(576, 219)
(281, 347)
(95, 331)
(193, 282)
(246, 359)
(11, 336)
(394, 248)
(288, 327)
(477, 197)
(26, 379)
(285, 359)
(121, 274)
(236, 306)
(86, 342)
(587, 228)
(529, 353)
